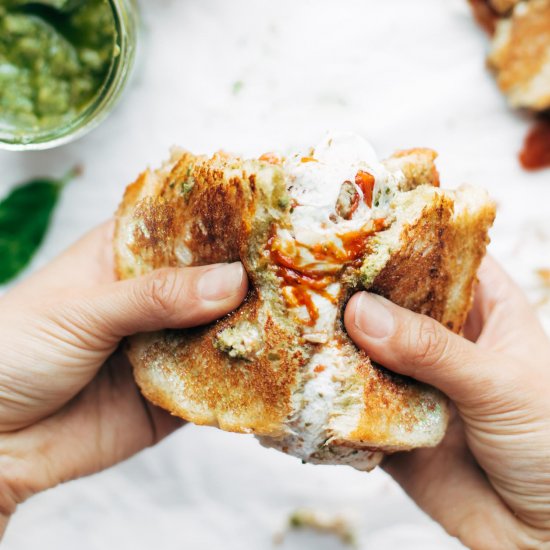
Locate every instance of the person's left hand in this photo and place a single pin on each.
(69, 405)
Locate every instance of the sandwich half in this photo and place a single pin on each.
(310, 230)
(520, 50)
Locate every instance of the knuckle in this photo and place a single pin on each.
(162, 291)
(429, 343)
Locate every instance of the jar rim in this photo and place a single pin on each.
(102, 103)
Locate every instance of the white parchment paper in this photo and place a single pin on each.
(252, 76)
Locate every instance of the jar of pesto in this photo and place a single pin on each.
(63, 66)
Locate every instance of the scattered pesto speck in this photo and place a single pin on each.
(187, 186)
(241, 341)
(188, 183)
(237, 87)
(284, 202)
(322, 523)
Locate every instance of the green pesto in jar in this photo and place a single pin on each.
(55, 56)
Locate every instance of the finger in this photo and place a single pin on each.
(419, 347)
(88, 262)
(501, 308)
(494, 287)
(449, 474)
(474, 322)
(166, 298)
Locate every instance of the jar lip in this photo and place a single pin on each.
(103, 101)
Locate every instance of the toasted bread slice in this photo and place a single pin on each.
(503, 6)
(520, 54)
(282, 366)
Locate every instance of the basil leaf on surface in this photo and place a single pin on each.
(25, 215)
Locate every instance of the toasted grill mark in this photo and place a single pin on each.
(214, 220)
(230, 388)
(403, 279)
(390, 401)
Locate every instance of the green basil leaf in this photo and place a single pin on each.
(25, 215)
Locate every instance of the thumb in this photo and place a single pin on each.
(166, 298)
(418, 346)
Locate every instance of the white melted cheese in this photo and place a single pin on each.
(316, 402)
(316, 185)
(314, 182)
(313, 406)
(313, 409)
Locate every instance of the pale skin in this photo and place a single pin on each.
(69, 406)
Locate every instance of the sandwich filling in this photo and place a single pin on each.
(341, 197)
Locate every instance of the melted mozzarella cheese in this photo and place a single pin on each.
(314, 183)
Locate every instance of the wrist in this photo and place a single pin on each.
(3, 525)
(513, 535)
(530, 537)
(8, 503)
(15, 485)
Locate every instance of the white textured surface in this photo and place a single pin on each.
(400, 73)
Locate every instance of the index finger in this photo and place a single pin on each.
(500, 307)
(88, 262)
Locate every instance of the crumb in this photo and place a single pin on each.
(320, 522)
(544, 277)
(238, 85)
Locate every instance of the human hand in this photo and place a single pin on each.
(488, 482)
(69, 405)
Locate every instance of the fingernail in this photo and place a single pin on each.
(221, 282)
(373, 317)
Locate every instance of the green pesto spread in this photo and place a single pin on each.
(54, 57)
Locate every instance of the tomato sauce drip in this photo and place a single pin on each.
(436, 180)
(536, 149)
(356, 242)
(365, 182)
(271, 158)
(485, 15)
(303, 298)
(302, 279)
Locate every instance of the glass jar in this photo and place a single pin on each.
(126, 24)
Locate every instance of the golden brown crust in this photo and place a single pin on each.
(206, 212)
(418, 167)
(199, 211)
(503, 6)
(237, 395)
(414, 278)
(432, 274)
(521, 55)
(210, 221)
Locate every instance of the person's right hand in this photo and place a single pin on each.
(488, 483)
